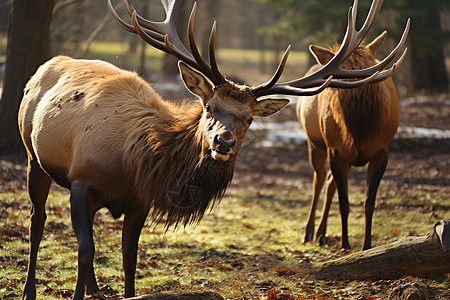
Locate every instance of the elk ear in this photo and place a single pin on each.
(322, 55)
(266, 107)
(376, 43)
(195, 82)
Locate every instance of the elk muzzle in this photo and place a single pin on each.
(223, 145)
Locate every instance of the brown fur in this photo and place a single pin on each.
(359, 112)
(349, 127)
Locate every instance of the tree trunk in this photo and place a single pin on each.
(429, 73)
(27, 48)
(415, 256)
(427, 54)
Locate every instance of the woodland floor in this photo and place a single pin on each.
(250, 247)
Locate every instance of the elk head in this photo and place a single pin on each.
(228, 108)
(228, 111)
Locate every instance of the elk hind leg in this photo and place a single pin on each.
(322, 229)
(317, 159)
(375, 172)
(38, 187)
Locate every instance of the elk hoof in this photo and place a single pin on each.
(308, 238)
(346, 245)
(322, 240)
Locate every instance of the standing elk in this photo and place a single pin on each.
(350, 127)
(108, 137)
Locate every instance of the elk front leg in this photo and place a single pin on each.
(317, 159)
(132, 226)
(38, 186)
(375, 172)
(322, 229)
(81, 221)
(339, 168)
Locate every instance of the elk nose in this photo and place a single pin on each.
(222, 145)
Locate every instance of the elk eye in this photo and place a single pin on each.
(208, 108)
(249, 121)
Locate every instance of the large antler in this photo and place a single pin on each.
(326, 76)
(164, 36)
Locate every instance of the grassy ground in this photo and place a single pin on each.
(246, 248)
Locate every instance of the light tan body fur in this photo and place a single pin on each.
(348, 127)
(106, 135)
(58, 128)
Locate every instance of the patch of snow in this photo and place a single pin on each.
(420, 132)
(272, 134)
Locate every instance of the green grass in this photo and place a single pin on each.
(247, 240)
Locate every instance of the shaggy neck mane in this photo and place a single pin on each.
(174, 172)
(363, 109)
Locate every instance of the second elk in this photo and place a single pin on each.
(349, 127)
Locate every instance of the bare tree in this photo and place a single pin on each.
(28, 38)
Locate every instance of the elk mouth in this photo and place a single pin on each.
(220, 155)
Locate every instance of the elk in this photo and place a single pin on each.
(108, 137)
(349, 127)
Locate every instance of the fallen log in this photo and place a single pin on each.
(180, 296)
(415, 255)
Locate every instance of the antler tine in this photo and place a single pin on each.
(259, 90)
(353, 84)
(387, 73)
(193, 45)
(119, 21)
(164, 36)
(285, 89)
(187, 58)
(343, 49)
(172, 10)
(313, 91)
(370, 20)
(218, 77)
(145, 36)
(211, 71)
(166, 46)
(154, 34)
(342, 73)
(166, 28)
(374, 78)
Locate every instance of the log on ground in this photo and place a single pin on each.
(415, 256)
(180, 296)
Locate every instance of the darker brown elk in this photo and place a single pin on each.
(108, 137)
(348, 127)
